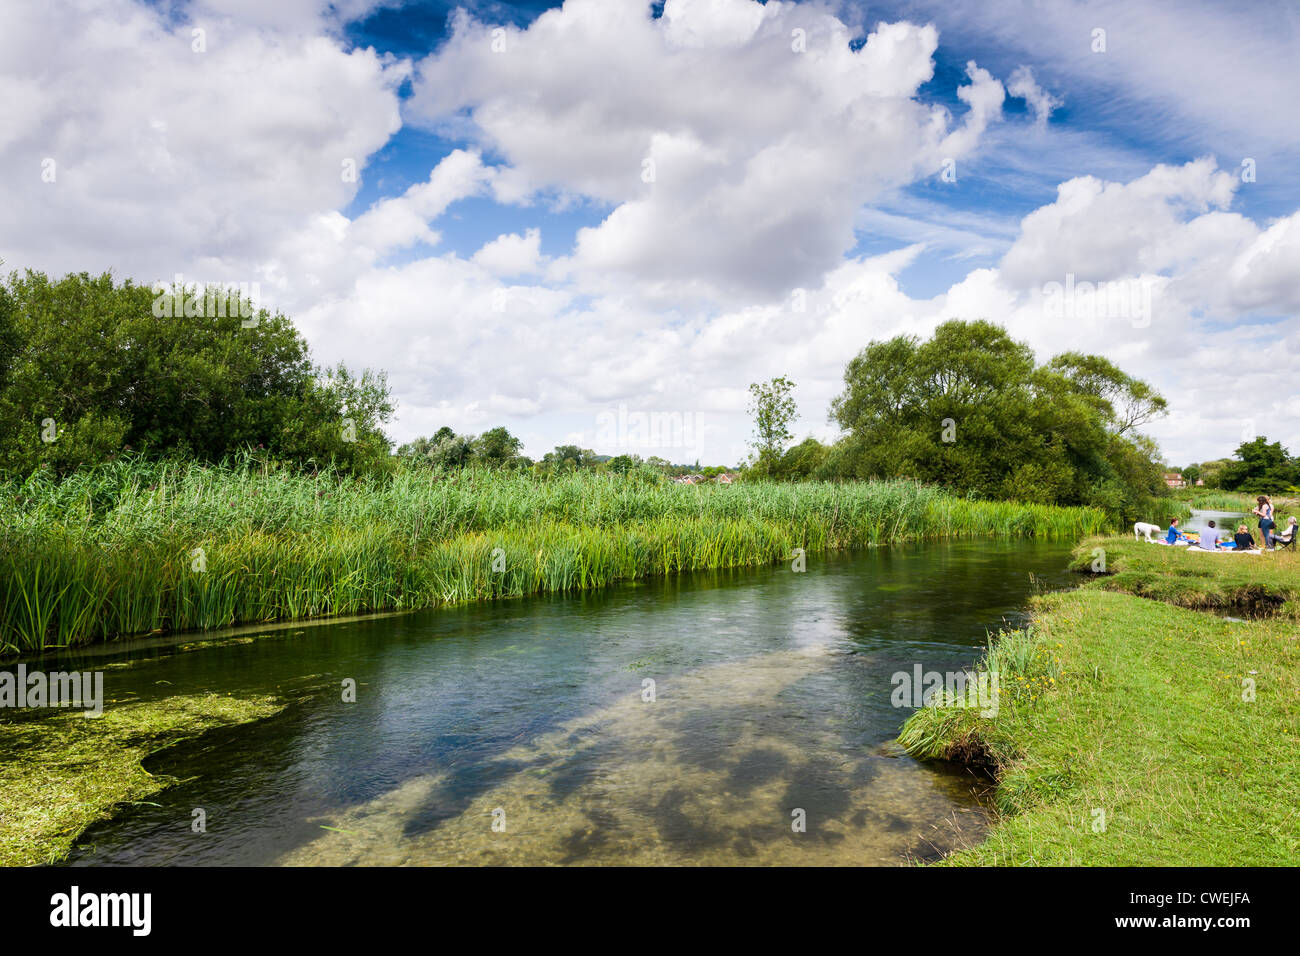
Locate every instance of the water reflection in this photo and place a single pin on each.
(771, 695)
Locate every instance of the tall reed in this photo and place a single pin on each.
(134, 547)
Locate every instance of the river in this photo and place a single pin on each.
(688, 720)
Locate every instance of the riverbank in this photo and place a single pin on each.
(1255, 585)
(141, 548)
(1132, 732)
(63, 771)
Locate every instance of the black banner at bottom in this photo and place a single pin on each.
(335, 906)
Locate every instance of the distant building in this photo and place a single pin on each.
(1175, 480)
(724, 479)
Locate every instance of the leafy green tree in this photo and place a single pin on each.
(569, 458)
(622, 464)
(453, 453)
(93, 365)
(970, 409)
(1125, 402)
(1212, 471)
(1191, 474)
(1261, 467)
(773, 409)
(496, 447)
(804, 460)
(339, 421)
(10, 339)
(418, 448)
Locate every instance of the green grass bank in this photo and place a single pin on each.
(137, 548)
(1257, 585)
(1133, 732)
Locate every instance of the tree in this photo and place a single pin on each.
(418, 448)
(569, 457)
(1126, 402)
(1212, 471)
(1191, 473)
(1261, 468)
(339, 421)
(496, 447)
(91, 365)
(453, 453)
(773, 410)
(803, 461)
(970, 409)
(622, 464)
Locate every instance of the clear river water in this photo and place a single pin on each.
(522, 732)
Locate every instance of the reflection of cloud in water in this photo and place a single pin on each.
(709, 774)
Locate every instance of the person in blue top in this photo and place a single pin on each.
(1174, 535)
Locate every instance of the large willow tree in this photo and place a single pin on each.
(971, 409)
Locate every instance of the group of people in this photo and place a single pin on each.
(1212, 538)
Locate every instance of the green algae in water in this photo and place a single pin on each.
(64, 770)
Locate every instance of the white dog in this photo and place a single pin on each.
(1143, 528)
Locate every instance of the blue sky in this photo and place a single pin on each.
(994, 190)
(503, 257)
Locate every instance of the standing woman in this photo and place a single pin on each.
(1264, 509)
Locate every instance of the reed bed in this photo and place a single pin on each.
(1222, 501)
(139, 547)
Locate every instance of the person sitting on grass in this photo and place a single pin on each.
(1243, 540)
(1174, 535)
(1209, 538)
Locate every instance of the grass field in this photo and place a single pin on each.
(135, 548)
(1132, 732)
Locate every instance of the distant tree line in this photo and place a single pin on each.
(90, 370)
(497, 448)
(1259, 467)
(971, 409)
